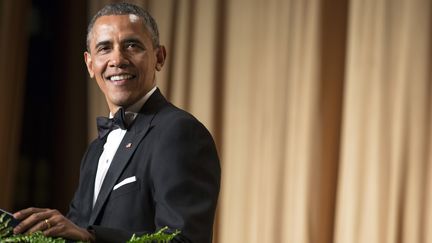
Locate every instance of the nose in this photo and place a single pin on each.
(118, 59)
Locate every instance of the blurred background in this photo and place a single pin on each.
(321, 110)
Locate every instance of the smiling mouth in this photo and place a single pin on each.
(121, 77)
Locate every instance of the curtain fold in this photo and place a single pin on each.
(386, 123)
(321, 110)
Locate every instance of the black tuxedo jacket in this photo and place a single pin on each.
(174, 179)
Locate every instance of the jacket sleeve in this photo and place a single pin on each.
(186, 180)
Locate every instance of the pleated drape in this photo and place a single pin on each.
(384, 192)
(321, 110)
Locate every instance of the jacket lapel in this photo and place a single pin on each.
(127, 147)
(89, 174)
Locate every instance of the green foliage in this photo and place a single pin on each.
(37, 237)
(159, 237)
(5, 229)
(6, 236)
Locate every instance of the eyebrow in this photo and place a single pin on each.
(127, 40)
(132, 40)
(102, 43)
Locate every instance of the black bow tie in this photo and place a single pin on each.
(106, 125)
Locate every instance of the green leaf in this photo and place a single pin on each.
(6, 236)
(159, 237)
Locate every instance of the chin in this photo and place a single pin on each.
(121, 102)
(121, 97)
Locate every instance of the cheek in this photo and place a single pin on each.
(99, 66)
(146, 63)
(148, 71)
(101, 83)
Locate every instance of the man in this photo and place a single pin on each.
(157, 167)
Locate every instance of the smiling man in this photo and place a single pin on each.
(123, 58)
(153, 164)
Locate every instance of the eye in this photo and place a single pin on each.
(133, 46)
(103, 49)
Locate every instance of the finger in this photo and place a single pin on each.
(55, 231)
(33, 221)
(50, 217)
(55, 224)
(41, 226)
(69, 231)
(54, 221)
(58, 225)
(22, 214)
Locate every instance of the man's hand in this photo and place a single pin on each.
(51, 222)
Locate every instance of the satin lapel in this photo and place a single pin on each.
(120, 160)
(89, 175)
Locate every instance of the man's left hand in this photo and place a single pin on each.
(51, 222)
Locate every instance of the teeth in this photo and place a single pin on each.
(120, 77)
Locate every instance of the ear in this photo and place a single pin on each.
(160, 57)
(89, 63)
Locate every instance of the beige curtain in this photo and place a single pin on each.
(13, 49)
(384, 189)
(321, 110)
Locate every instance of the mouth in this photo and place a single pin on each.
(120, 79)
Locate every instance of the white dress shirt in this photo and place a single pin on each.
(113, 142)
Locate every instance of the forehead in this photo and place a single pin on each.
(119, 26)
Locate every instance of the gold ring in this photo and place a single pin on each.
(47, 223)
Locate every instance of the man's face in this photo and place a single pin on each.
(122, 59)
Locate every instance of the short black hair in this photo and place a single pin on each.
(126, 9)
